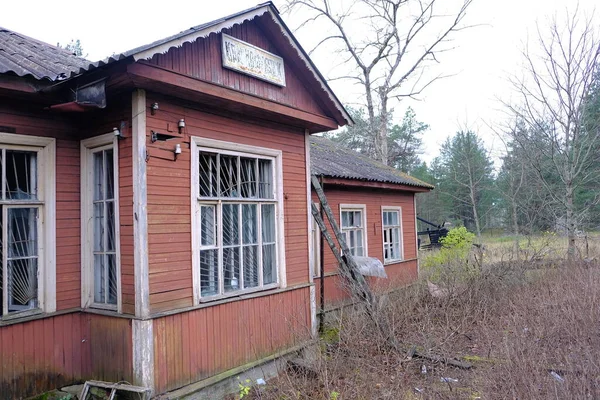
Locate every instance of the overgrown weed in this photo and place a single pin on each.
(530, 332)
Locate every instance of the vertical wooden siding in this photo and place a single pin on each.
(398, 274)
(195, 345)
(202, 59)
(44, 354)
(169, 220)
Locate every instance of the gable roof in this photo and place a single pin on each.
(42, 60)
(333, 160)
(24, 56)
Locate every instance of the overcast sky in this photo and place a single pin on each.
(485, 56)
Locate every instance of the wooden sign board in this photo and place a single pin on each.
(251, 60)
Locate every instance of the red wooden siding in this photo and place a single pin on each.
(44, 354)
(202, 59)
(399, 273)
(169, 208)
(195, 345)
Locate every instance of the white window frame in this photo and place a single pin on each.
(363, 209)
(400, 235)
(198, 144)
(88, 147)
(46, 169)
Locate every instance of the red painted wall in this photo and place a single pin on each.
(169, 221)
(399, 274)
(195, 345)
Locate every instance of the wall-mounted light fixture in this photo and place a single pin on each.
(118, 134)
(153, 108)
(181, 125)
(177, 150)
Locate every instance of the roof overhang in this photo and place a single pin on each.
(203, 31)
(362, 184)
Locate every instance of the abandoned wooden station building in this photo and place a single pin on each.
(155, 207)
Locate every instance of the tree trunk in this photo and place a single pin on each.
(570, 221)
(382, 133)
(475, 213)
(371, 134)
(515, 221)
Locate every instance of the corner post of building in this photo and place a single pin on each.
(311, 256)
(142, 328)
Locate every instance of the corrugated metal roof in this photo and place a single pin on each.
(333, 160)
(25, 56)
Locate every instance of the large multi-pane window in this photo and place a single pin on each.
(20, 231)
(101, 239)
(353, 229)
(237, 207)
(392, 234)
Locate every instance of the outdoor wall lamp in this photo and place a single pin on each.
(153, 108)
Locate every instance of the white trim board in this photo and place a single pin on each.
(401, 238)
(197, 144)
(140, 199)
(87, 147)
(363, 209)
(46, 166)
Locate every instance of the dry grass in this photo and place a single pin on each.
(516, 325)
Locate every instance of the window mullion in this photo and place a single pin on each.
(4, 261)
(260, 244)
(219, 243)
(3, 174)
(218, 174)
(241, 246)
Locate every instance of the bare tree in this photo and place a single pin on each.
(552, 93)
(389, 59)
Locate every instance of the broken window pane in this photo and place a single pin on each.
(21, 175)
(229, 176)
(248, 177)
(208, 175)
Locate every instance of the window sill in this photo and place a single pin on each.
(33, 315)
(231, 299)
(22, 314)
(401, 261)
(238, 293)
(392, 262)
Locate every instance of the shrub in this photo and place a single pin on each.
(450, 263)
